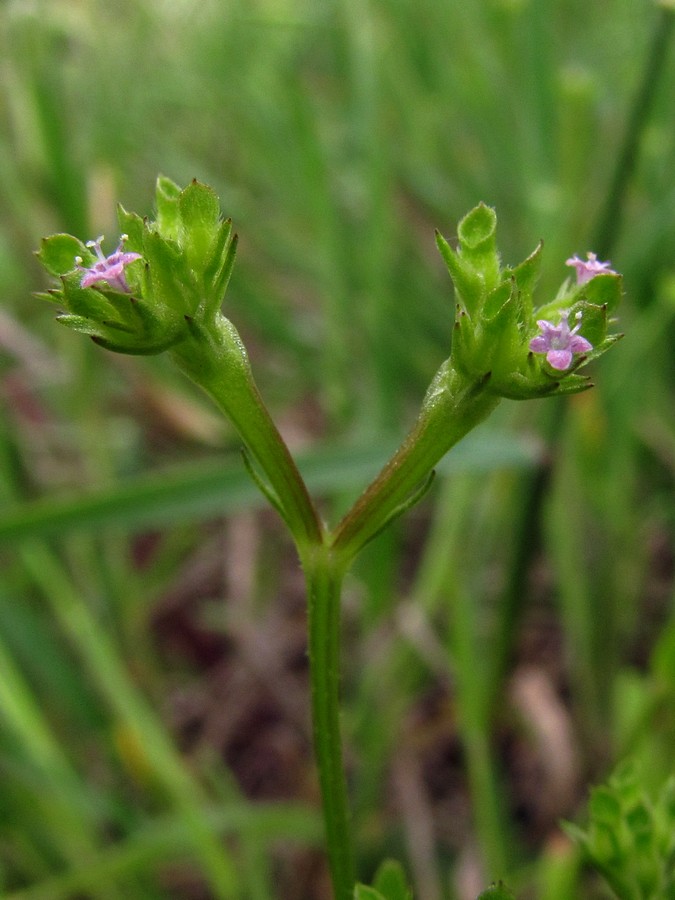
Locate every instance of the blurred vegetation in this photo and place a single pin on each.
(508, 642)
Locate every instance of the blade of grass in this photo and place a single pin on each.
(60, 797)
(108, 673)
(169, 839)
(204, 489)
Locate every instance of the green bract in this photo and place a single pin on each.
(187, 254)
(496, 317)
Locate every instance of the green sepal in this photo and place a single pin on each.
(57, 253)
(168, 220)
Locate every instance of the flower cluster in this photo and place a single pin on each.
(499, 330)
(560, 342)
(166, 278)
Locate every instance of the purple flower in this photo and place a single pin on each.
(108, 268)
(559, 342)
(589, 269)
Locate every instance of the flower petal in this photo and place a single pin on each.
(559, 359)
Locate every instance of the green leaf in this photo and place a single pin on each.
(57, 253)
(363, 892)
(391, 882)
(604, 806)
(214, 487)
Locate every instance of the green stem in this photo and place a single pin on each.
(324, 573)
(453, 407)
(217, 361)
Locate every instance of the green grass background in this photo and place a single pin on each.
(338, 135)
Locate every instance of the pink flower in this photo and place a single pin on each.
(108, 268)
(559, 342)
(589, 269)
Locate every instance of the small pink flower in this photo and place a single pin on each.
(108, 268)
(559, 342)
(589, 269)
